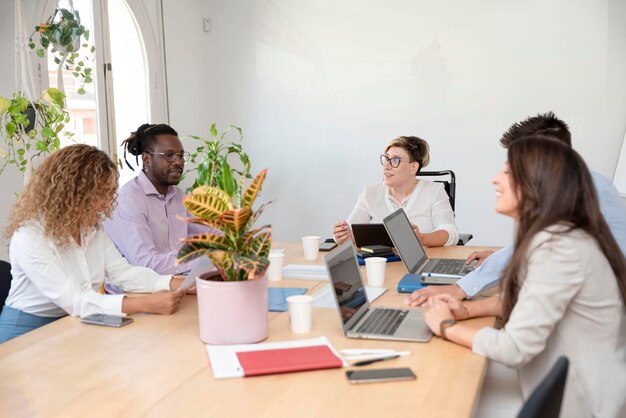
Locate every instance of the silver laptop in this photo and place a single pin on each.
(414, 257)
(359, 319)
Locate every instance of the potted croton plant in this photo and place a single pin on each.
(232, 299)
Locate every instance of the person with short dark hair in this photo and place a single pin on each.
(563, 291)
(491, 265)
(60, 255)
(144, 224)
(425, 202)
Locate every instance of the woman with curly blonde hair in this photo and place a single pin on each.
(60, 255)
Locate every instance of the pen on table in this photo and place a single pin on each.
(366, 362)
(452, 276)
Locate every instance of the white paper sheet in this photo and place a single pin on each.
(323, 298)
(202, 265)
(225, 363)
(305, 271)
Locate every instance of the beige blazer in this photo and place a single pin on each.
(569, 304)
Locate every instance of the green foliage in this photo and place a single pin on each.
(62, 34)
(25, 142)
(211, 162)
(238, 251)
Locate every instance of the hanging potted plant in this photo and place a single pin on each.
(61, 34)
(232, 300)
(31, 128)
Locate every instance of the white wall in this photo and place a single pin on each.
(11, 178)
(320, 87)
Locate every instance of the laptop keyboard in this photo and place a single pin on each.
(446, 266)
(383, 321)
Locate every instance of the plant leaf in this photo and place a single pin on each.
(200, 245)
(259, 245)
(223, 260)
(254, 266)
(236, 219)
(206, 205)
(253, 189)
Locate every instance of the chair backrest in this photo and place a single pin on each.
(545, 401)
(5, 281)
(449, 185)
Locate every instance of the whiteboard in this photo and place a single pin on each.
(620, 173)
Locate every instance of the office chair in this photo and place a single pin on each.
(545, 401)
(5, 281)
(450, 188)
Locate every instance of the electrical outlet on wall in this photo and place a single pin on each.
(206, 24)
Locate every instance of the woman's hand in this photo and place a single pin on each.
(457, 308)
(416, 229)
(435, 313)
(479, 256)
(341, 232)
(163, 303)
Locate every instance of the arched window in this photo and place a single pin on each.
(129, 76)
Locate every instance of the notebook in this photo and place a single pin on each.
(414, 256)
(358, 318)
(370, 234)
(286, 360)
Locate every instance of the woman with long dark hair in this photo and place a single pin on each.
(564, 289)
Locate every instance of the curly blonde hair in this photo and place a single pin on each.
(64, 192)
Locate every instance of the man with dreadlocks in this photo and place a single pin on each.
(143, 225)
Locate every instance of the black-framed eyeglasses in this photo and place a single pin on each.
(393, 161)
(169, 156)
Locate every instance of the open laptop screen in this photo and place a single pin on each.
(345, 280)
(405, 241)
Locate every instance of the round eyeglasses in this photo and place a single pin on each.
(394, 162)
(169, 156)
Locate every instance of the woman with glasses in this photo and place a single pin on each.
(143, 225)
(425, 203)
(60, 255)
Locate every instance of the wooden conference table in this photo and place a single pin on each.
(157, 366)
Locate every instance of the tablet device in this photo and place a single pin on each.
(370, 234)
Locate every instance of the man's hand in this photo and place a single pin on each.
(421, 296)
(341, 232)
(479, 256)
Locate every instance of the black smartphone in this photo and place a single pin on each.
(380, 375)
(327, 246)
(106, 320)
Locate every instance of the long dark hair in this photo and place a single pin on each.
(143, 139)
(554, 186)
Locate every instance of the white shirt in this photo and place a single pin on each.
(50, 281)
(428, 207)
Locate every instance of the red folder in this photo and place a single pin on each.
(286, 360)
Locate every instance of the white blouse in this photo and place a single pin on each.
(428, 207)
(50, 281)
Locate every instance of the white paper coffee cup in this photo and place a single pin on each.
(275, 270)
(300, 313)
(311, 246)
(375, 269)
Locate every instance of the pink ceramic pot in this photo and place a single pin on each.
(232, 312)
